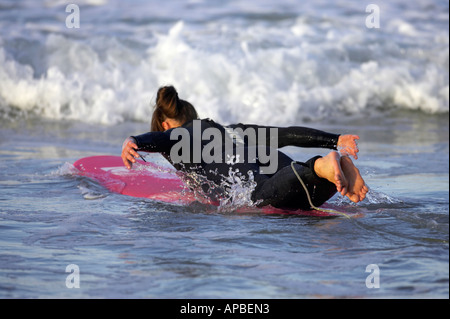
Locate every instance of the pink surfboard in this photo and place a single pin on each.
(148, 180)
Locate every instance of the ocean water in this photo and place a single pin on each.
(67, 93)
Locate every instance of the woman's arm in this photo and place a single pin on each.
(292, 136)
(149, 142)
(303, 137)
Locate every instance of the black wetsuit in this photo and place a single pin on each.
(279, 188)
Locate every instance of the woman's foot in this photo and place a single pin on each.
(344, 174)
(357, 188)
(329, 167)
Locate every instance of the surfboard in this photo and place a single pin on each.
(149, 180)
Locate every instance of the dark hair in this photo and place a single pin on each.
(168, 105)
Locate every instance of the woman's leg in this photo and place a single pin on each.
(323, 177)
(284, 190)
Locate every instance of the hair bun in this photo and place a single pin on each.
(168, 102)
(168, 105)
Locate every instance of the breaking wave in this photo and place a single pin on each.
(234, 65)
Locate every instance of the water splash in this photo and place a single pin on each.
(234, 191)
(377, 197)
(67, 169)
(238, 191)
(373, 197)
(204, 190)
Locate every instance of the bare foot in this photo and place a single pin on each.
(357, 188)
(329, 167)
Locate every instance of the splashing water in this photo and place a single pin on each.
(377, 197)
(373, 197)
(238, 191)
(233, 192)
(203, 189)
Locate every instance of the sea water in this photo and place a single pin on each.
(69, 91)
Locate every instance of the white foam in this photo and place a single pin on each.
(67, 169)
(309, 67)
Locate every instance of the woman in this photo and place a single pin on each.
(321, 176)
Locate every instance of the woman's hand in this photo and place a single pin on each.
(347, 145)
(129, 153)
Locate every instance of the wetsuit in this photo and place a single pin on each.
(279, 188)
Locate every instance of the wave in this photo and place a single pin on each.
(295, 70)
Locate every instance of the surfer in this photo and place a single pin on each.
(321, 176)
